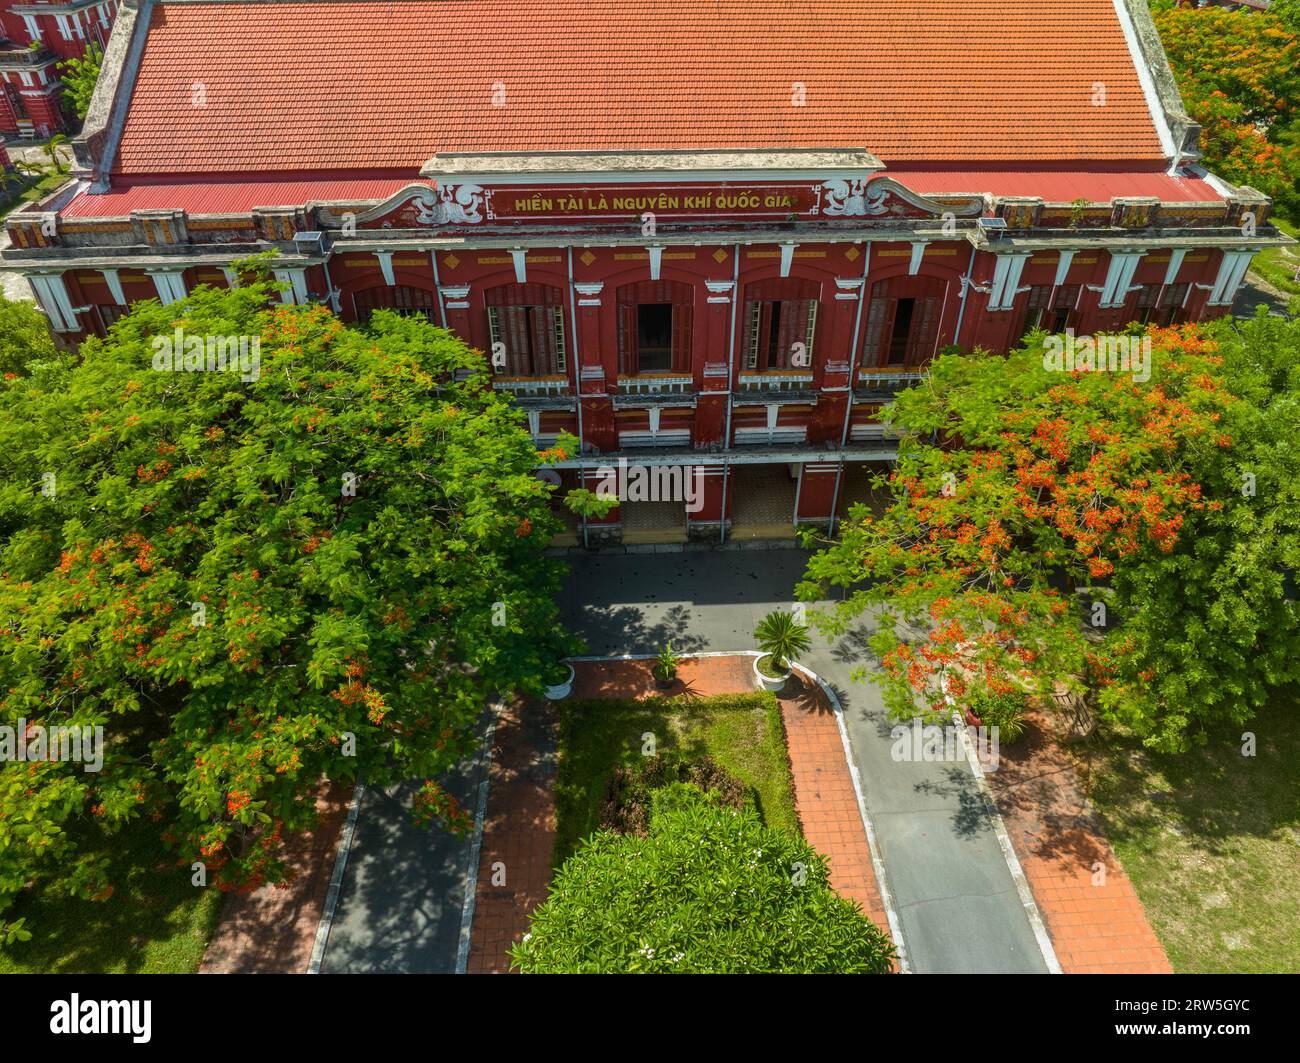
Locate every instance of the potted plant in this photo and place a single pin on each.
(781, 638)
(560, 681)
(1005, 711)
(665, 667)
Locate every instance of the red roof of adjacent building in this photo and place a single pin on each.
(349, 84)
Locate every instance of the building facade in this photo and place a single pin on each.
(726, 268)
(35, 36)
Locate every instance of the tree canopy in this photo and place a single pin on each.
(1173, 503)
(1239, 75)
(320, 563)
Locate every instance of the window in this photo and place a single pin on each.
(1171, 305)
(781, 319)
(527, 322)
(26, 78)
(1144, 303)
(33, 28)
(111, 314)
(654, 327)
(654, 337)
(1037, 312)
(410, 302)
(902, 323)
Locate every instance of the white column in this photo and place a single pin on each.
(1232, 271)
(1063, 265)
(386, 266)
(52, 294)
(1119, 277)
(918, 253)
(519, 254)
(787, 258)
(1175, 264)
(114, 286)
(1006, 280)
(297, 281)
(170, 285)
(656, 261)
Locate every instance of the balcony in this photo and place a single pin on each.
(660, 389)
(537, 391)
(15, 56)
(775, 385)
(884, 384)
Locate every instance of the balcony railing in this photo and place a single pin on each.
(775, 382)
(534, 387)
(654, 385)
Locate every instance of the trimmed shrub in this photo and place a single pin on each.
(709, 890)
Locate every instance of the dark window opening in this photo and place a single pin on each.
(654, 337)
(902, 331)
(409, 302)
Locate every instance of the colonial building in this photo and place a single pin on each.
(715, 236)
(35, 36)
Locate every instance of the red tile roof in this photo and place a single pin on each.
(352, 84)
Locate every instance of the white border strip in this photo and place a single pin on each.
(336, 882)
(877, 865)
(476, 846)
(1143, 70)
(1008, 850)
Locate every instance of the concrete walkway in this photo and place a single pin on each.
(405, 886)
(951, 885)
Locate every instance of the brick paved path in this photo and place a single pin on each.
(271, 930)
(1098, 928)
(520, 827)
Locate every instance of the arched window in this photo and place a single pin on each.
(780, 324)
(526, 329)
(654, 327)
(902, 327)
(399, 298)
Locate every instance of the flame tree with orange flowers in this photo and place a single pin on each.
(1023, 497)
(255, 584)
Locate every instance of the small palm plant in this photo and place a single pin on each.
(52, 150)
(665, 666)
(782, 637)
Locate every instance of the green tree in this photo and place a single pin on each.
(79, 76)
(1239, 75)
(710, 890)
(1175, 502)
(321, 565)
(24, 338)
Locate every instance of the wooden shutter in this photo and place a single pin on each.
(925, 327)
(627, 339)
(541, 334)
(515, 335)
(682, 336)
(879, 316)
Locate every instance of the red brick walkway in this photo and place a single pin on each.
(272, 930)
(520, 827)
(1095, 919)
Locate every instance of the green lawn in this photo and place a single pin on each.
(12, 199)
(1278, 265)
(1211, 840)
(742, 732)
(154, 923)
